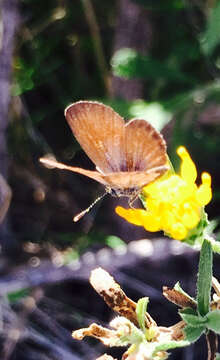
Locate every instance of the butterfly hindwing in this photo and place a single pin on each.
(135, 180)
(145, 147)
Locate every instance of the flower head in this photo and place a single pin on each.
(174, 202)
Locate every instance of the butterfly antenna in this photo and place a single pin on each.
(82, 213)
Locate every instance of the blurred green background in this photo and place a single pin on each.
(152, 59)
(149, 59)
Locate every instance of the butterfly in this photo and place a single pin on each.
(127, 156)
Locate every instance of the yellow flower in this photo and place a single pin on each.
(174, 202)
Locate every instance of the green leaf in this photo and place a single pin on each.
(212, 225)
(211, 37)
(216, 246)
(141, 311)
(163, 346)
(204, 281)
(129, 64)
(213, 321)
(194, 320)
(217, 356)
(193, 333)
(188, 311)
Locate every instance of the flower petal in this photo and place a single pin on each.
(204, 192)
(131, 215)
(188, 169)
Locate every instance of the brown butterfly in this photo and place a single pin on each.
(127, 156)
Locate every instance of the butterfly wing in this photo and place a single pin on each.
(95, 175)
(120, 180)
(100, 132)
(145, 147)
(134, 180)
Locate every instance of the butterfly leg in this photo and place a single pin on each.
(133, 198)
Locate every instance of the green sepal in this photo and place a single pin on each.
(203, 230)
(141, 310)
(195, 236)
(204, 281)
(168, 345)
(215, 245)
(135, 335)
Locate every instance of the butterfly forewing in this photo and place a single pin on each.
(95, 175)
(100, 132)
(145, 147)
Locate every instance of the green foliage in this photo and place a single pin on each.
(155, 113)
(161, 5)
(202, 320)
(71, 256)
(197, 325)
(193, 320)
(24, 78)
(129, 64)
(170, 345)
(141, 311)
(204, 282)
(211, 37)
(213, 321)
(193, 333)
(31, 72)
